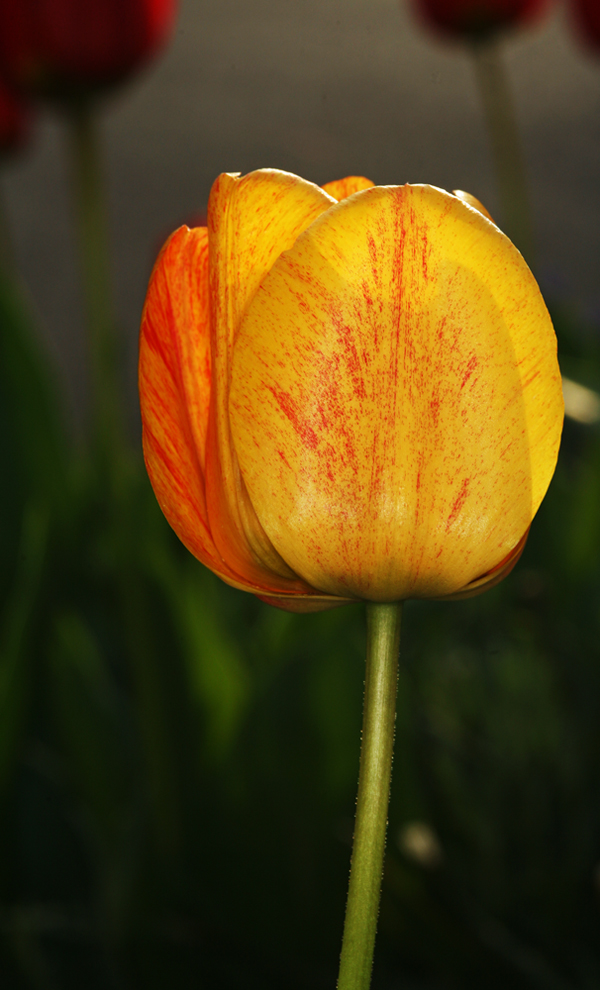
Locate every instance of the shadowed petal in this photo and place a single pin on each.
(342, 188)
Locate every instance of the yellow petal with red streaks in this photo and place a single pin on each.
(342, 188)
(251, 221)
(396, 403)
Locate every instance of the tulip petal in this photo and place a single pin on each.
(396, 403)
(342, 188)
(492, 578)
(251, 221)
(174, 380)
(471, 200)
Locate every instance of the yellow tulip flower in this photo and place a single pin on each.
(348, 393)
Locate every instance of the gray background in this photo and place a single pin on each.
(324, 88)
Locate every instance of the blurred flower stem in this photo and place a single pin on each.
(501, 120)
(7, 260)
(115, 466)
(379, 717)
(94, 252)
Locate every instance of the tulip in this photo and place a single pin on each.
(586, 14)
(69, 48)
(478, 19)
(348, 393)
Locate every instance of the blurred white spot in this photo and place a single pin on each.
(581, 404)
(418, 842)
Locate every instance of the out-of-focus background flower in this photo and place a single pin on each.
(178, 762)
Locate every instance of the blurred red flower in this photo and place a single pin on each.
(479, 19)
(14, 120)
(587, 19)
(70, 48)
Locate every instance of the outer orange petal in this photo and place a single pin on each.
(396, 402)
(342, 188)
(251, 221)
(174, 382)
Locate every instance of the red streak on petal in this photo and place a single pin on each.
(289, 408)
(458, 503)
(471, 366)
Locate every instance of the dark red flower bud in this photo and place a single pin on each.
(14, 120)
(478, 19)
(70, 48)
(587, 19)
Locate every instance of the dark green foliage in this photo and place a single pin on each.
(178, 761)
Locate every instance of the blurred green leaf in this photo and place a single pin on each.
(32, 445)
(90, 719)
(581, 534)
(152, 661)
(30, 407)
(16, 622)
(219, 679)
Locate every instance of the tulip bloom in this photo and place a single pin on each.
(353, 400)
(63, 48)
(478, 19)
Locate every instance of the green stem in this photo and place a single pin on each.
(94, 250)
(379, 716)
(501, 120)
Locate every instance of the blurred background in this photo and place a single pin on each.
(178, 761)
(322, 90)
